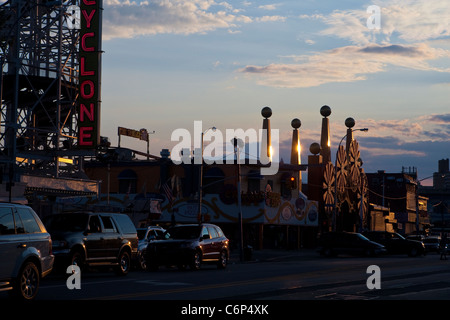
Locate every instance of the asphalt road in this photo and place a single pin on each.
(299, 277)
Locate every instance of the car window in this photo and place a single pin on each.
(205, 233)
(399, 236)
(108, 224)
(159, 234)
(361, 237)
(125, 223)
(183, 232)
(213, 232)
(219, 231)
(151, 235)
(6, 221)
(94, 224)
(29, 223)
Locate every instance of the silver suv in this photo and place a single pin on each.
(25, 251)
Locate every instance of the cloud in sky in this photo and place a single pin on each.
(320, 46)
(409, 20)
(411, 24)
(411, 139)
(387, 136)
(128, 19)
(345, 64)
(389, 144)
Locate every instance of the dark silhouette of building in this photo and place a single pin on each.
(398, 192)
(439, 198)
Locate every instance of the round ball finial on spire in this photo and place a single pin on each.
(314, 148)
(350, 122)
(325, 111)
(296, 123)
(266, 112)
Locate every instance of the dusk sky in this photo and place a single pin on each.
(168, 63)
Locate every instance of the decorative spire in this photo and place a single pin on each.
(295, 147)
(325, 142)
(349, 123)
(296, 150)
(266, 147)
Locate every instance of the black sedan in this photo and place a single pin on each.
(396, 243)
(334, 243)
(189, 245)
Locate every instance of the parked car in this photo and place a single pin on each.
(396, 243)
(417, 237)
(189, 245)
(93, 239)
(432, 244)
(145, 236)
(25, 251)
(334, 243)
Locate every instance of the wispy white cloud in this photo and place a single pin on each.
(271, 18)
(409, 20)
(127, 19)
(268, 6)
(345, 64)
(413, 24)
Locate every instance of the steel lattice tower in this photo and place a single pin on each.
(39, 87)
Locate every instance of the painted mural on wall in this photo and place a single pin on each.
(265, 207)
(257, 207)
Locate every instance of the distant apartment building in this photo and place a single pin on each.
(439, 197)
(397, 193)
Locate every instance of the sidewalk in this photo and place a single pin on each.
(270, 255)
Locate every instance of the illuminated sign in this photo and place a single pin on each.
(141, 134)
(89, 74)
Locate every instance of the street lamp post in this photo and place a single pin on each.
(335, 172)
(200, 185)
(238, 143)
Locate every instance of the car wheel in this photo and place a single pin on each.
(77, 259)
(196, 261)
(27, 282)
(223, 260)
(124, 263)
(141, 262)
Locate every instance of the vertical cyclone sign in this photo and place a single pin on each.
(89, 74)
